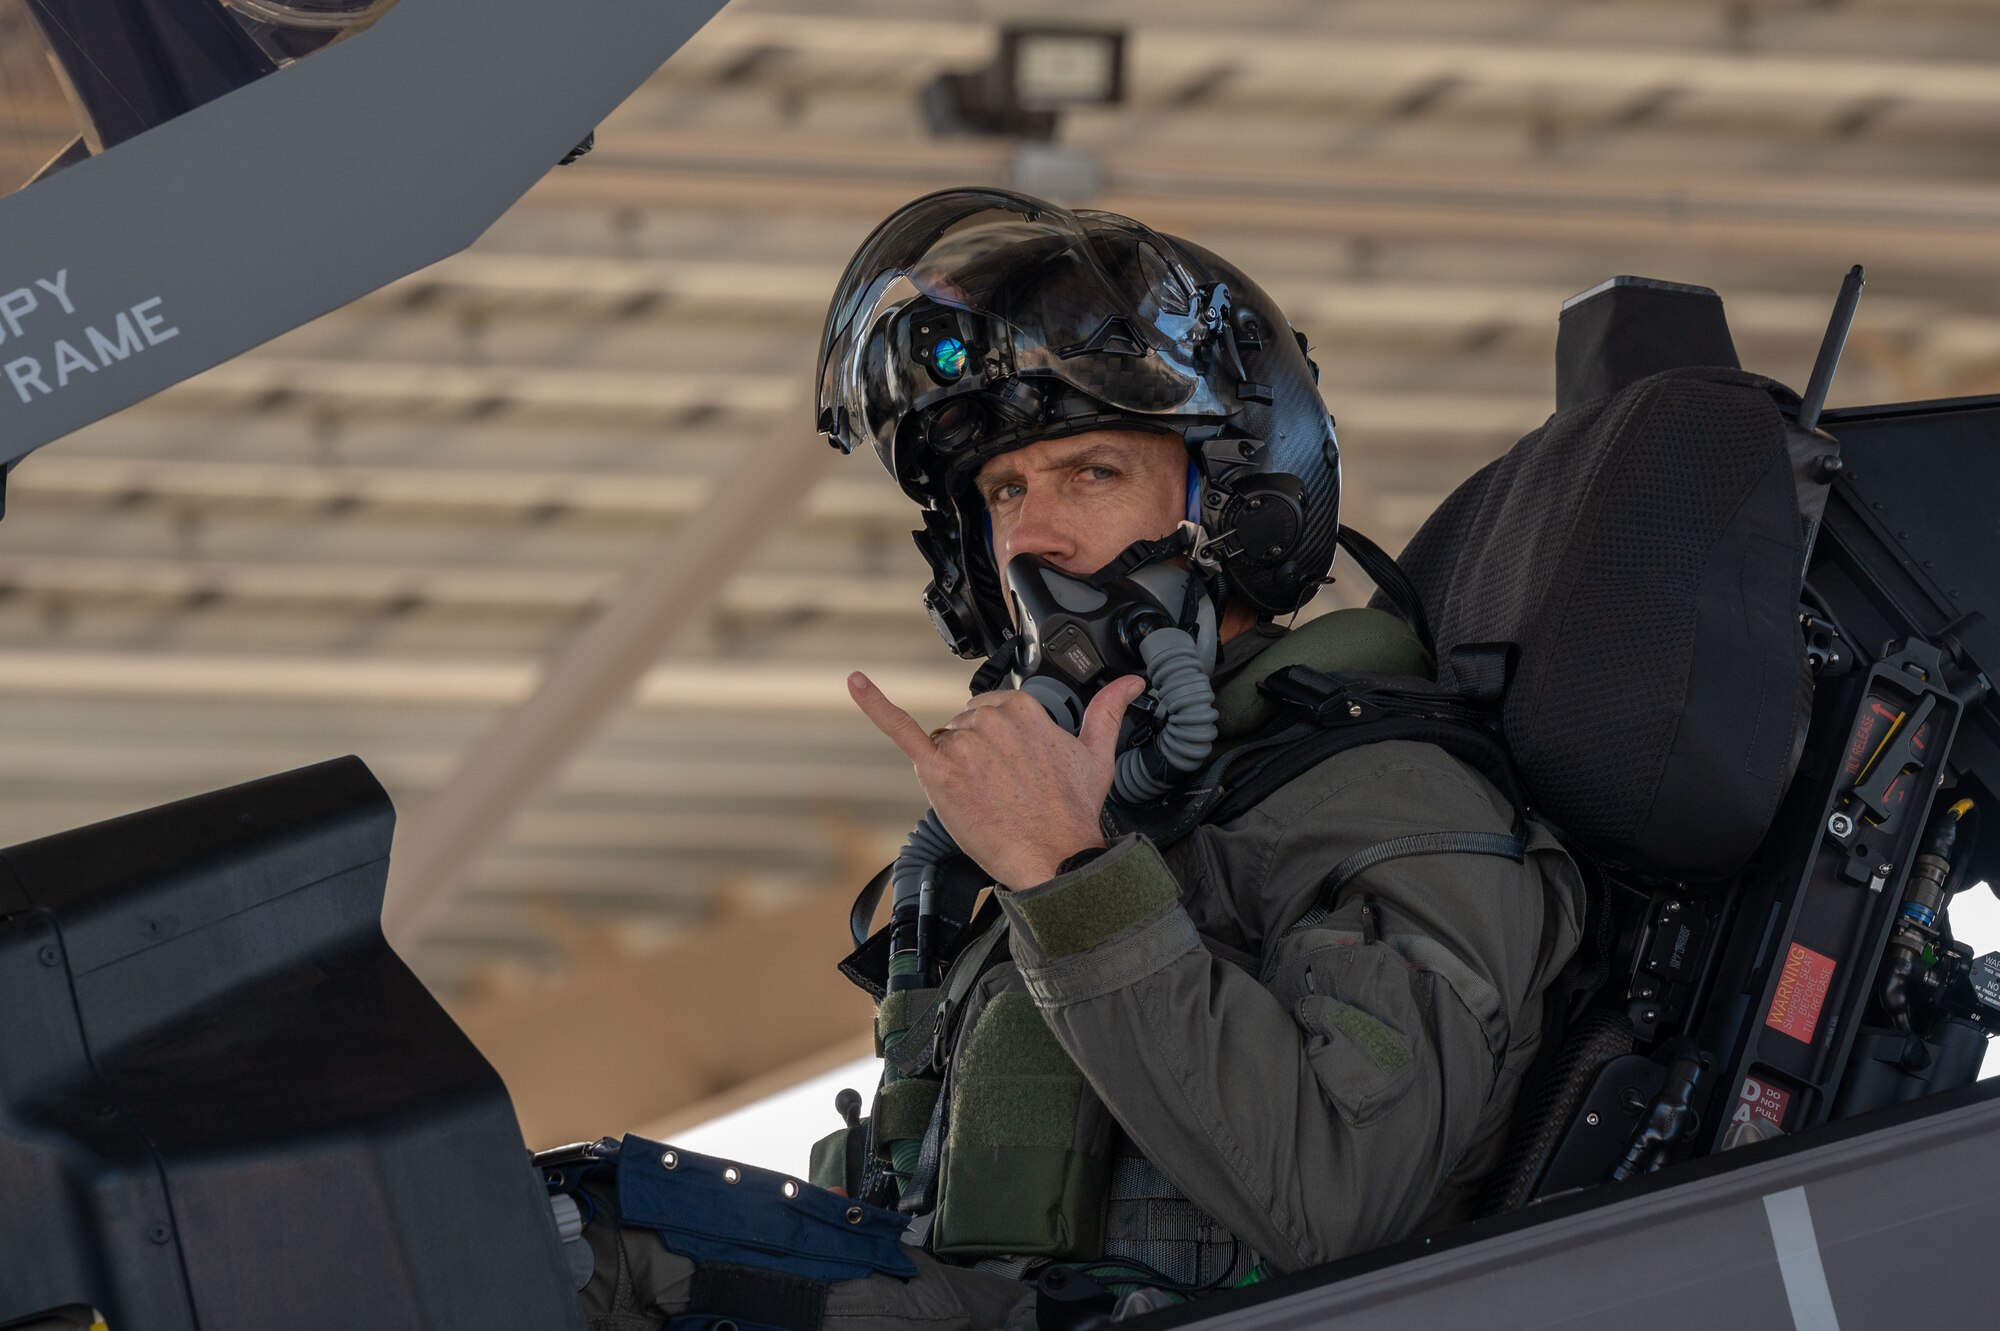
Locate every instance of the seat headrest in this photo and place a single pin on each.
(1630, 328)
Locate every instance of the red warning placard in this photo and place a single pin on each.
(1802, 987)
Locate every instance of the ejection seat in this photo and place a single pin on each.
(1637, 561)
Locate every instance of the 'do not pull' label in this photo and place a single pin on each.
(1802, 986)
(1759, 1113)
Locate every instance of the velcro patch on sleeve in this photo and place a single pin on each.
(1121, 888)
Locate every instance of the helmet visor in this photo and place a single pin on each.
(959, 292)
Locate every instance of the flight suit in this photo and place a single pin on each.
(1310, 1089)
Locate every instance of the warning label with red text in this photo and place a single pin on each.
(1802, 986)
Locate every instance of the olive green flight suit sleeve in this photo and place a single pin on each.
(1334, 1101)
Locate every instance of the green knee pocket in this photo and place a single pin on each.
(1026, 1166)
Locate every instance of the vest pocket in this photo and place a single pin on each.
(1357, 1030)
(1362, 1064)
(1026, 1166)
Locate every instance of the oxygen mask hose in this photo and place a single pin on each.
(912, 883)
(927, 846)
(1188, 725)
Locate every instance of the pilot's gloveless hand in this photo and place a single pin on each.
(1017, 792)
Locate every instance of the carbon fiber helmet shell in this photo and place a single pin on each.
(973, 322)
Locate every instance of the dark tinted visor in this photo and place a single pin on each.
(960, 291)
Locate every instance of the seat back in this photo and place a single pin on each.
(1643, 552)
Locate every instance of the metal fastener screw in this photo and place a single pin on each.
(1650, 1015)
(791, 1189)
(730, 1175)
(1884, 869)
(1673, 907)
(1354, 710)
(853, 1215)
(1591, 1119)
(670, 1159)
(1840, 824)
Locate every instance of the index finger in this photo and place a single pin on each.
(901, 728)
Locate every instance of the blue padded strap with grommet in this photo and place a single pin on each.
(761, 1218)
(1193, 492)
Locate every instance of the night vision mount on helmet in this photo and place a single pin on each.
(976, 321)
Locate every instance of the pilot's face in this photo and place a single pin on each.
(1080, 500)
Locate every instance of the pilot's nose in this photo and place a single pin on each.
(1039, 526)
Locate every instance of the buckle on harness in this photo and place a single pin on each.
(1322, 699)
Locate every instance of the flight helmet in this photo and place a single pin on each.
(976, 321)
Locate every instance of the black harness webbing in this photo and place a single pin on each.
(1388, 576)
(755, 1294)
(1338, 715)
(916, 1053)
(1499, 844)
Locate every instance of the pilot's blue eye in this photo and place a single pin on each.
(949, 357)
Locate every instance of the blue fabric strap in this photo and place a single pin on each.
(698, 1212)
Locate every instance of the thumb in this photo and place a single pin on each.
(1101, 719)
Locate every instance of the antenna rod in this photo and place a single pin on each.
(1830, 348)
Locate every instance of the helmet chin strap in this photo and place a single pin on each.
(1184, 539)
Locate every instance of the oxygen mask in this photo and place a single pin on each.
(1140, 616)
(1077, 634)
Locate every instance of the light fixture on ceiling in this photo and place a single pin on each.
(1038, 72)
(1052, 69)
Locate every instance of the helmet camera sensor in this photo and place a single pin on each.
(948, 359)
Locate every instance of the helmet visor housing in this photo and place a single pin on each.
(969, 314)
